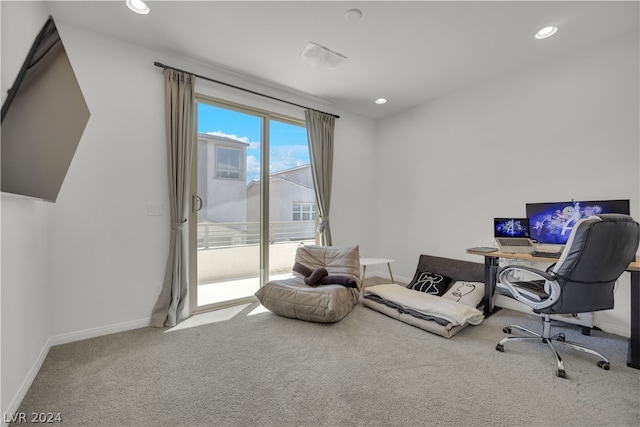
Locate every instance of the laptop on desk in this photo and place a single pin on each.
(512, 235)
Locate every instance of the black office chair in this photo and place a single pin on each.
(598, 251)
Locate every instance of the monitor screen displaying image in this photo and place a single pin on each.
(511, 227)
(551, 223)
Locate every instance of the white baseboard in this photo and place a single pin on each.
(582, 319)
(22, 391)
(613, 329)
(396, 279)
(97, 332)
(64, 339)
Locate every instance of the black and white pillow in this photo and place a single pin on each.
(467, 293)
(430, 283)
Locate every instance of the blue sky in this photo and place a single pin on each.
(288, 146)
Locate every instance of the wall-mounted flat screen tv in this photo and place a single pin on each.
(43, 118)
(551, 223)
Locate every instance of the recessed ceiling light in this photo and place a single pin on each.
(546, 32)
(138, 6)
(381, 101)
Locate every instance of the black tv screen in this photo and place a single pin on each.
(552, 222)
(43, 119)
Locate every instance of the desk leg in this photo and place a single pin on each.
(390, 273)
(633, 355)
(490, 273)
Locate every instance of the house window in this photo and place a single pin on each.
(304, 211)
(228, 163)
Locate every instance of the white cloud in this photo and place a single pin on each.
(287, 157)
(253, 145)
(253, 168)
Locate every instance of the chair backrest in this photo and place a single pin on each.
(338, 261)
(598, 251)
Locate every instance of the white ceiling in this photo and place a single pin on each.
(408, 52)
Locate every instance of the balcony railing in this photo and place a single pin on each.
(231, 234)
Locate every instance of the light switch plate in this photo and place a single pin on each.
(154, 209)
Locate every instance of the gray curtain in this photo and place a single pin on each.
(320, 128)
(180, 128)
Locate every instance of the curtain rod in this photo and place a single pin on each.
(163, 66)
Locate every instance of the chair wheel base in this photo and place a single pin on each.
(561, 373)
(500, 348)
(506, 330)
(604, 365)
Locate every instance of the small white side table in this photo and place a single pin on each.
(364, 262)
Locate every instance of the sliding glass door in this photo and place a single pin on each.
(253, 202)
(292, 199)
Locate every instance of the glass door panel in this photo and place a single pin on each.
(254, 202)
(291, 195)
(228, 219)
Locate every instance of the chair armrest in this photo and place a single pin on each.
(540, 273)
(505, 278)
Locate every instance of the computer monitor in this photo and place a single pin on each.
(511, 227)
(551, 223)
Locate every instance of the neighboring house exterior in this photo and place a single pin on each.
(222, 220)
(292, 204)
(230, 213)
(221, 179)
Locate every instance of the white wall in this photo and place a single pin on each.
(354, 217)
(109, 255)
(558, 131)
(90, 264)
(401, 187)
(24, 307)
(25, 294)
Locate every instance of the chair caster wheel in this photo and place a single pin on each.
(561, 373)
(500, 348)
(604, 365)
(506, 330)
(560, 337)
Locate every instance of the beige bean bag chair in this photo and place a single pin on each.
(323, 301)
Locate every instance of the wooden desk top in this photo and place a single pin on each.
(634, 266)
